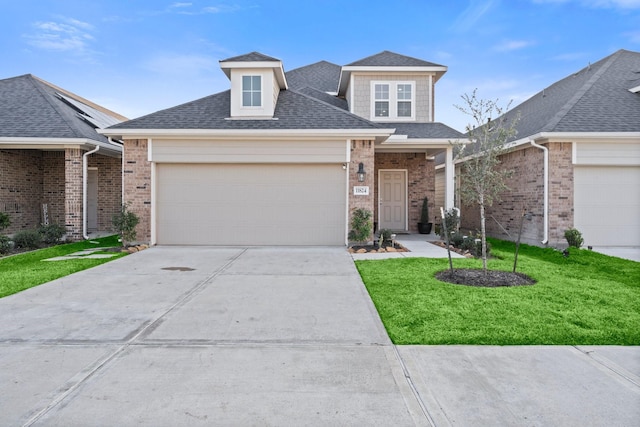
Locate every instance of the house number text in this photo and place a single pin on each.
(361, 191)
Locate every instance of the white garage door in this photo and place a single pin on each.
(250, 204)
(607, 205)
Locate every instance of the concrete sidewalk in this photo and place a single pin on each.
(273, 336)
(419, 246)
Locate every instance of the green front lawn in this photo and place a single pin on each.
(587, 299)
(23, 271)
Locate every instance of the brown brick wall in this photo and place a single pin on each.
(527, 192)
(73, 192)
(109, 187)
(54, 185)
(137, 185)
(21, 188)
(420, 182)
(560, 191)
(362, 151)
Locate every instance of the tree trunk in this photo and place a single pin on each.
(483, 233)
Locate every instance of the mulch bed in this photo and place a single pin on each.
(375, 249)
(490, 279)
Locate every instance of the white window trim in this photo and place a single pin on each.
(252, 107)
(393, 101)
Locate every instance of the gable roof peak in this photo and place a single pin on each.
(387, 58)
(251, 57)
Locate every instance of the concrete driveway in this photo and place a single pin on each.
(272, 336)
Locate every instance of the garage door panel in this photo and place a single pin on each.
(250, 204)
(607, 202)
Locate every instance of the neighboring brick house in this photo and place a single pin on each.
(588, 126)
(276, 159)
(51, 157)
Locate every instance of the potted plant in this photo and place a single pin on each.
(424, 226)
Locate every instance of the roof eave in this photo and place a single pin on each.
(240, 133)
(58, 144)
(346, 71)
(276, 66)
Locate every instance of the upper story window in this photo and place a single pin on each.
(393, 100)
(252, 91)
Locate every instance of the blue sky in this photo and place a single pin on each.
(137, 56)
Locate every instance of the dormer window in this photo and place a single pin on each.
(393, 100)
(252, 91)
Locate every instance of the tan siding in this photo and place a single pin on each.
(361, 105)
(192, 151)
(608, 153)
(440, 190)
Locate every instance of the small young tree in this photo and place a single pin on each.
(124, 222)
(482, 180)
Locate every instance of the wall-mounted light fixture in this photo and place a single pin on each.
(361, 173)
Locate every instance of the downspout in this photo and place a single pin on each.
(85, 168)
(545, 239)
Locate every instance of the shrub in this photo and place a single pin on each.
(360, 225)
(473, 244)
(424, 213)
(451, 220)
(27, 239)
(125, 223)
(385, 236)
(52, 233)
(5, 244)
(456, 239)
(5, 221)
(574, 237)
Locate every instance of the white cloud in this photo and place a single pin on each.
(472, 14)
(634, 36)
(187, 65)
(570, 56)
(511, 45)
(62, 35)
(184, 8)
(598, 4)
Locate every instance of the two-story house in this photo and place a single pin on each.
(283, 158)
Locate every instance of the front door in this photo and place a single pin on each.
(393, 200)
(92, 200)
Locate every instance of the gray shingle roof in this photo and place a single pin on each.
(325, 97)
(293, 111)
(30, 108)
(432, 130)
(391, 59)
(323, 76)
(595, 99)
(250, 57)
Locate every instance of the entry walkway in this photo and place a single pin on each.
(419, 246)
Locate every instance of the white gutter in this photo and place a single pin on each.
(85, 168)
(545, 239)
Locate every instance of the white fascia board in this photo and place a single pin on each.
(345, 73)
(384, 69)
(635, 89)
(276, 66)
(259, 133)
(574, 136)
(58, 143)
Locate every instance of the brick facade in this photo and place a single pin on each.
(137, 185)
(109, 187)
(362, 151)
(73, 192)
(527, 192)
(21, 188)
(420, 182)
(31, 178)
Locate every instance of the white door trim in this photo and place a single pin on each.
(406, 195)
